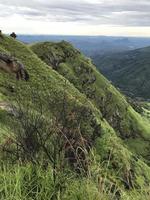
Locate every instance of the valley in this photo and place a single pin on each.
(129, 71)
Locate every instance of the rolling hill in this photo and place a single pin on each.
(104, 143)
(130, 71)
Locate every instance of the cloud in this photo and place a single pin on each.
(123, 13)
(119, 12)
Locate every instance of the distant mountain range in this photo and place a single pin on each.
(128, 70)
(92, 45)
(116, 57)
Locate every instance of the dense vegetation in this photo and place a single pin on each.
(80, 71)
(129, 70)
(59, 130)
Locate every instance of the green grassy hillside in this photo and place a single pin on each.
(80, 71)
(129, 70)
(80, 105)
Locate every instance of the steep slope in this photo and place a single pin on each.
(129, 70)
(132, 172)
(113, 105)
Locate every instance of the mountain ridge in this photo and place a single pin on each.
(76, 88)
(112, 104)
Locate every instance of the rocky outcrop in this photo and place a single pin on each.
(12, 65)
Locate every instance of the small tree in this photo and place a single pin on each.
(1, 35)
(13, 35)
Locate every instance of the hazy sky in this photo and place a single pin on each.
(76, 17)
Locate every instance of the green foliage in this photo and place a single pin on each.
(80, 71)
(129, 71)
(94, 109)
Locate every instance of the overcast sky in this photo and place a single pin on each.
(76, 17)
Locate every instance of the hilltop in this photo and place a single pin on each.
(67, 103)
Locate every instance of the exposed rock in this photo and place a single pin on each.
(12, 65)
(5, 106)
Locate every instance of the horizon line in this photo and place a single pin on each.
(78, 35)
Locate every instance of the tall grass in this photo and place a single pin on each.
(28, 181)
